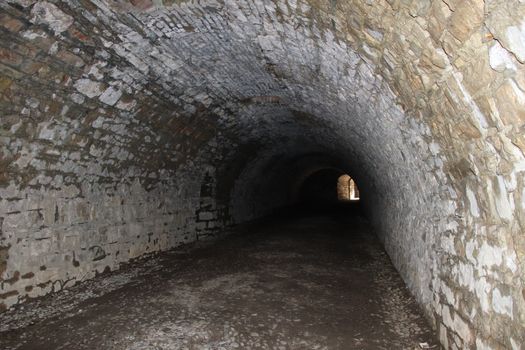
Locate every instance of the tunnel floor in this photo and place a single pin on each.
(300, 283)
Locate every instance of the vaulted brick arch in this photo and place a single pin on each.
(133, 127)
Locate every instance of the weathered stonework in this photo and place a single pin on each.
(132, 127)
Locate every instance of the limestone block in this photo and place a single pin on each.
(500, 59)
(467, 17)
(506, 22)
(437, 20)
(110, 96)
(47, 13)
(510, 102)
(89, 87)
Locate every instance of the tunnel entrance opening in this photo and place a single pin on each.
(328, 191)
(347, 189)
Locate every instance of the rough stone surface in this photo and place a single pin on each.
(46, 13)
(137, 126)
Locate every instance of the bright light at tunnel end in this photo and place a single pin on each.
(347, 189)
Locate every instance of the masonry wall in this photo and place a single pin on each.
(188, 115)
(88, 182)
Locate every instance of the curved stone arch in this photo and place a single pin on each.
(137, 102)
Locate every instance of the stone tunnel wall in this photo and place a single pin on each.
(87, 180)
(121, 119)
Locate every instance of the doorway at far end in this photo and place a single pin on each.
(347, 189)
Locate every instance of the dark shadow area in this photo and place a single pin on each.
(341, 211)
(320, 188)
(318, 195)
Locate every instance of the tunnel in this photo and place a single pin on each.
(140, 137)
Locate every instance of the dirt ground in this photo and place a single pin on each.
(301, 283)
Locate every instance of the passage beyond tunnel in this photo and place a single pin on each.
(133, 127)
(326, 187)
(347, 189)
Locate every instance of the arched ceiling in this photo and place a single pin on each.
(422, 101)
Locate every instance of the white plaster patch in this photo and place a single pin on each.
(501, 304)
(127, 106)
(89, 87)
(500, 59)
(511, 261)
(502, 202)
(457, 323)
(110, 96)
(443, 338)
(77, 98)
(473, 203)
(30, 35)
(516, 39)
(480, 345)
(466, 275)
(447, 244)
(482, 290)
(95, 72)
(480, 120)
(449, 294)
(46, 13)
(434, 148)
(489, 256)
(46, 133)
(97, 123)
(53, 49)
